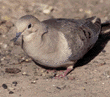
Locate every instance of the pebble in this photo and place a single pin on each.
(2, 58)
(15, 83)
(4, 46)
(3, 36)
(108, 76)
(80, 10)
(46, 9)
(58, 88)
(61, 87)
(24, 73)
(12, 70)
(106, 18)
(103, 83)
(2, 22)
(89, 12)
(4, 86)
(11, 92)
(33, 82)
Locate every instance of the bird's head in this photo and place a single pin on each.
(26, 26)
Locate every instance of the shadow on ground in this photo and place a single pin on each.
(98, 47)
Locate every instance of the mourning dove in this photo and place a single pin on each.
(57, 42)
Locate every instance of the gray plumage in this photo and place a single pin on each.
(57, 42)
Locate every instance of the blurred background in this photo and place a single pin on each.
(43, 9)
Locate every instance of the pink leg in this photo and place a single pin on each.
(65, 73)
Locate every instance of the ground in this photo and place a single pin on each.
(21, 77)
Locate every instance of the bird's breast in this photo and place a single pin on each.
(41, 53)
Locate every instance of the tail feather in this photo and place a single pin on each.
(98, 23)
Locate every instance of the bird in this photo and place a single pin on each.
(57, 42)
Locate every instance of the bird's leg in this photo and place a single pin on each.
(65, 73)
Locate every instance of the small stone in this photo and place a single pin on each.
(37, 79)
(80, 10)
(12, 70)
(58, 88)
(2, 58)
(61, 87)
(53, 85)
(2, 22)
(4, 86)
(106, 18)
(24, 73)
(108, 76)
(48, 10)
(11, 92)
(85, 82)
(88, 12)
(27, 60)
(15, 83)
(3, 36)
(21, 60)
(33, 82)
(4, 46)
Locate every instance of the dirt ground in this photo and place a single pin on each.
(21, 77)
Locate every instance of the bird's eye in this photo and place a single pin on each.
(29, 26)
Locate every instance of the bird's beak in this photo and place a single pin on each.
(17, 36)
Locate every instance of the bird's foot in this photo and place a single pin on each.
(68, 70)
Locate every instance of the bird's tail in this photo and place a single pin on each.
(98, 23)
(97, 28)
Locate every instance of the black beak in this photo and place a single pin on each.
(17, 36)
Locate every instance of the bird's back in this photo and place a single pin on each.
(81, 34)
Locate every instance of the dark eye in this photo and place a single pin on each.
(29, 26)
